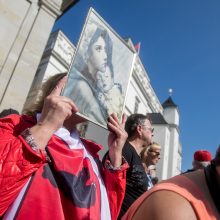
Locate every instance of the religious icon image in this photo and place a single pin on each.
(100, 72)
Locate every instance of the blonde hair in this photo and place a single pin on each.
(46, 89)
(150, 147)
(154, 146)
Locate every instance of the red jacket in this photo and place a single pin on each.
(18, 162)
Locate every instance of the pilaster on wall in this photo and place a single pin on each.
(53, 7)
(31, 22)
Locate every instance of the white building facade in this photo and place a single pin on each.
(141, 98)
(25, 26)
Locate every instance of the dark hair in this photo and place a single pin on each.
(7, 112)
(100, 32)
(216, 160)
(133, 121)
(154, 180)
(46, 89)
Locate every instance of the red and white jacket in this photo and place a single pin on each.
(65, 188)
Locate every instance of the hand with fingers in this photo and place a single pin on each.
(56, 110)
(116, 139)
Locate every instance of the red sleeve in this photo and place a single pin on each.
(115, 182)
(17, 160)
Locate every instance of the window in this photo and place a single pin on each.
(136, 104)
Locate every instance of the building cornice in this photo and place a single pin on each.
(175, 126)
(56, 7)
(141, 78)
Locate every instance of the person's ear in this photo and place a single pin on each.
(138, 129)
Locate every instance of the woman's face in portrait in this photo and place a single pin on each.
(98, 56)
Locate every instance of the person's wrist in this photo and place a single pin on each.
(115, 157)
(108, 165)
(42, 134)
(47, 126)
(29, 138)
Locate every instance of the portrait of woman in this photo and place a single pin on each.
(83, 81)
(91, 79)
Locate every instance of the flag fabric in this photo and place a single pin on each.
(137, 47)
(59, 191)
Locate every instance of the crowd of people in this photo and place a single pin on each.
(47, 171)
(192, 195)
(45, 165)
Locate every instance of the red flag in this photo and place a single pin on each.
(137, 47)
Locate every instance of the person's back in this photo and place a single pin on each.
(136, 179)
(182, 197)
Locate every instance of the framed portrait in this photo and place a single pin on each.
(100, 71)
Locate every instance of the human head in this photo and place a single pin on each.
(105, 81)
(151, 155)
(139, 126)
(154, 180)
(9, 111)
(46, 89)
(202, 158)
(99, 51)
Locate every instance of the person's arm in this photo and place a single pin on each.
(55, 111)
(17, 160)
(163, 205)
(22, 143)
(116, 139)
(115, 177)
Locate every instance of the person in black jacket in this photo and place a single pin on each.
(140, 133)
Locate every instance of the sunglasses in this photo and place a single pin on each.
(155, 152)
(150, 129)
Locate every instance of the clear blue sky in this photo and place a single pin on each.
(180, 49)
